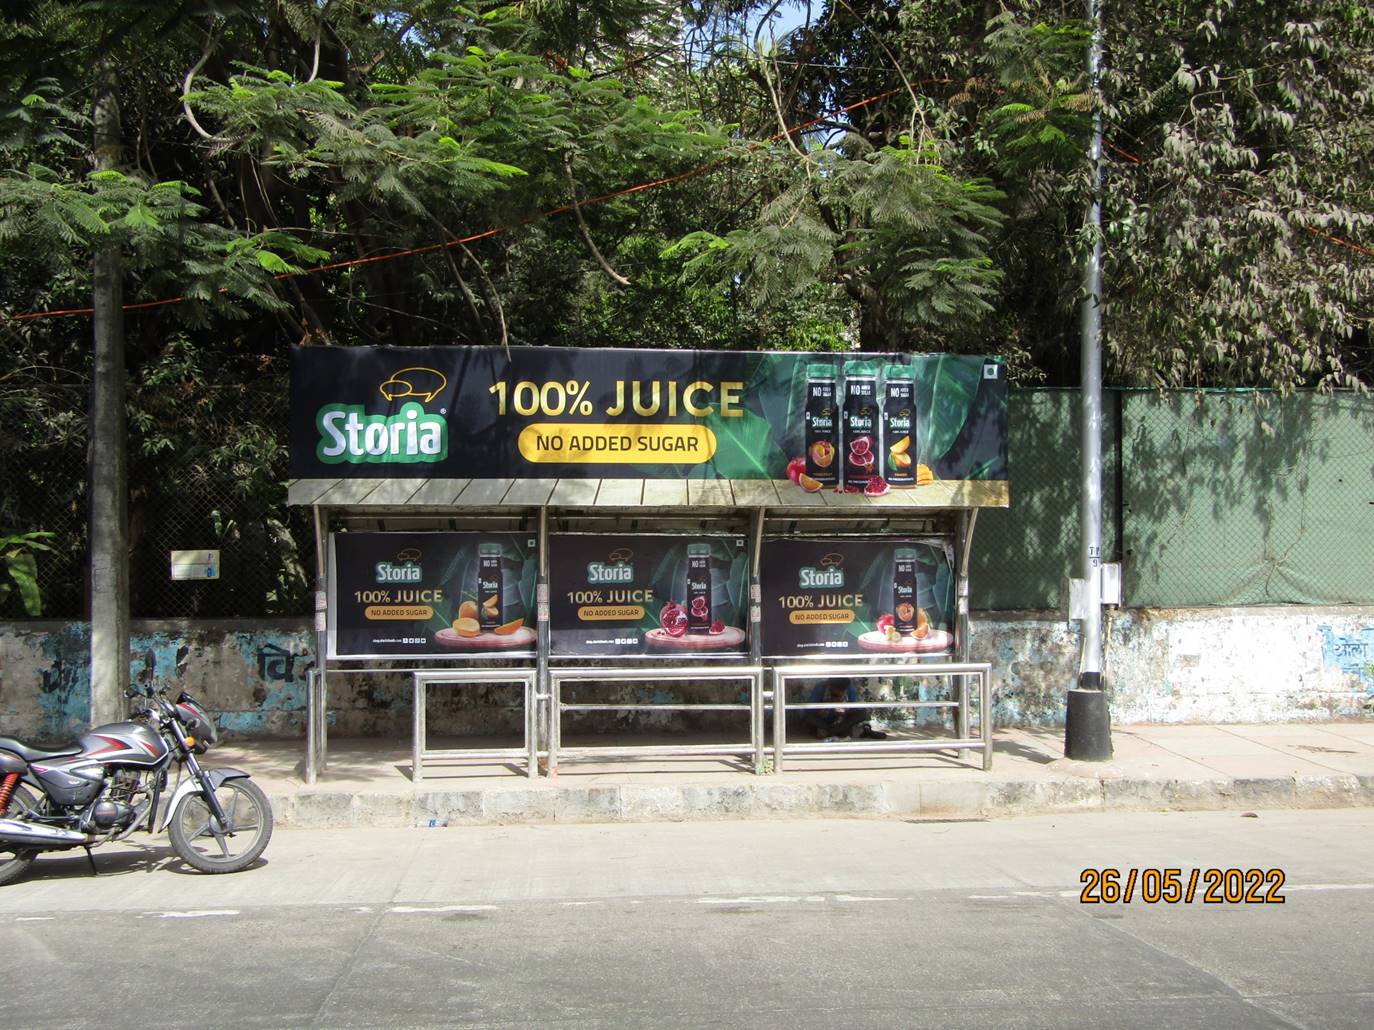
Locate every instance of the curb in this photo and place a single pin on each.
(944, 800)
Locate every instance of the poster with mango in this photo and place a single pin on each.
(432, 595)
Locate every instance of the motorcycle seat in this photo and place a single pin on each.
(37, 754)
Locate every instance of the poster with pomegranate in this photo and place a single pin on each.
(648, 595)
(433, 595)
(926, 424)
(860, 596)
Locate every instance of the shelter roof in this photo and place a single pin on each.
(444, 495)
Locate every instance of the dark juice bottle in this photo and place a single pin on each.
(904, 592)
(898, 444)
(489, 584)
(859, 425)
(822, 418)
(698, 588)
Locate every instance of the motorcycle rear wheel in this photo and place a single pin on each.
(15, 862)
(197, 838)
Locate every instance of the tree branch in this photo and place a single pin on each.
(582, 227)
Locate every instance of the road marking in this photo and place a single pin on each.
(34, 919)
(1287, 887)
(859, 897)
(771, 900)
(200, 914)
(420, 910)
(1014, 895)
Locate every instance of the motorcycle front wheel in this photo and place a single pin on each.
(202, 843)
(14, 862)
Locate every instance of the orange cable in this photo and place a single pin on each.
(1337, 239)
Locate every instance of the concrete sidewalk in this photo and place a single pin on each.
(1156, 767)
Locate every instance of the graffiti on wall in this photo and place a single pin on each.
(276, 664)
(1352, 653)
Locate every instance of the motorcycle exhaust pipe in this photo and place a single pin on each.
(16, 833)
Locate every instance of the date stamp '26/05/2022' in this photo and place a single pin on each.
(1156, 885)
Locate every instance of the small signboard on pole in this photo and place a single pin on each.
(195, 564)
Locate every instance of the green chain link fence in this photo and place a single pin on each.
(228, 495)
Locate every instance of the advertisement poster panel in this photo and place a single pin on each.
(643, 595)
(434, 595)
(857, 597)
(810, 422)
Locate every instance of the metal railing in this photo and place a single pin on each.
(529, 751)
(958, 671)
(752, 673)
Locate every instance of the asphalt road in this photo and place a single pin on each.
(758, 924)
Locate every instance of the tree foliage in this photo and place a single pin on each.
(881, 174)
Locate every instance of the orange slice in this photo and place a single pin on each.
(509, 627)
(808, 484)
(466, 627)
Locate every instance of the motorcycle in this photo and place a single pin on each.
(110, 783)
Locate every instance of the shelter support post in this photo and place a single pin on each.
(964, 547)
(759, 697)
(540, 709)
(316, 697)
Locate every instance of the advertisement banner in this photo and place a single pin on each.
(861, 423)
(857, 597)
(434, 595)
(655, 596)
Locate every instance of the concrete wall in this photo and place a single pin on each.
(1261, 664)
(1283, 663)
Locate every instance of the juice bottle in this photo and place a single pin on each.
(822, 422)
(898, 446)
(904, 592)
(698, 588)
(489, 584)
(859, 425)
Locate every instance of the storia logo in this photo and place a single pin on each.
(406, 568)
(349, 434)
(425, 383)
(616, 569)
(830, 573)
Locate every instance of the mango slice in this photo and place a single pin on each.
(466, 627)
(510, 627)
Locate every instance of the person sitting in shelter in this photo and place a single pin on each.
(839, 723)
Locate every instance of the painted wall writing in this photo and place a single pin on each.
(1352, 653)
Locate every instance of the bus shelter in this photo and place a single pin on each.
(748, 523)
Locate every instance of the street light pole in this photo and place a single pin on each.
(109, 546)
(1087, 727)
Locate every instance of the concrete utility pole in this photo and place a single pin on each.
(1087, 726)
(107, 474)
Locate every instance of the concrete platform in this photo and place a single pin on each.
(1154, 768)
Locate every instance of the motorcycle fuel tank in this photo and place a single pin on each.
(123, 743)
